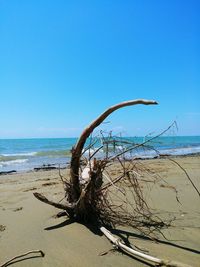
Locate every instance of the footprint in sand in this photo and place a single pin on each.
(2, 228)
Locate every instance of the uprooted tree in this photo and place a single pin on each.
(95, 193)
(110, 189)
(98, 193)
(90, 190)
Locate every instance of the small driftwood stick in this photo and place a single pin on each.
(119, 244)
(22, 255)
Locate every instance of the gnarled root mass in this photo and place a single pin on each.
(97, 193)
(94, 193)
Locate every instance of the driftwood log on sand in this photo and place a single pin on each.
(118, 243)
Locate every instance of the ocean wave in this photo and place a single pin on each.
(145, 153)
(19, 154)
(181, 151)
(141, 151)
(151, 153)
(12, 162)
(54, 153)
(49, 153)
(170, 152)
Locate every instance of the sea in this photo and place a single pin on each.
(26, 154)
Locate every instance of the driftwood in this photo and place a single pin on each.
(7, 172)
(23, 255)
(45, 168)
(83, 192)
(159, 262)
(92, 191)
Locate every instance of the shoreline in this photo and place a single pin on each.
(26, 154)
(48, 167)
(27, 223)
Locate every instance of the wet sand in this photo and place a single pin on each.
(26, 223)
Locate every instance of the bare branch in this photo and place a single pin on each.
(144, 143)
(77, 150)
(42, 198)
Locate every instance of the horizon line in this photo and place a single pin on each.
(76, 137)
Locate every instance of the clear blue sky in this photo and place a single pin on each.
(64, 62)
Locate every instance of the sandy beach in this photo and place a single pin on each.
(26, 223)
(106, 95)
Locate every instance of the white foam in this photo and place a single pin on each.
(12, 162)
(181, 151)
(19, 154)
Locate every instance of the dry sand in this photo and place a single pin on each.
(26, 223)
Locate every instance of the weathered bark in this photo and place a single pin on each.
(77, 150)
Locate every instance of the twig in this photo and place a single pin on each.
(186, 175)
(111, 183)
(96, 151)
(89, 146)
(142, 144)
(22, 255)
